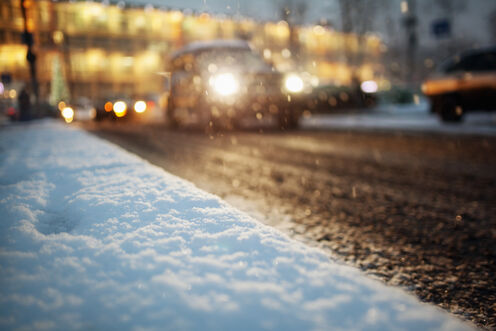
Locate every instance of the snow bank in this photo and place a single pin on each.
(92, 237)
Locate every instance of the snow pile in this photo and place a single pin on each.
(92, 237)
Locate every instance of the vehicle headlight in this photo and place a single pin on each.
(294, 83)
(140, 106)
(68, 114)
(120, 109)
(225, 84)
(369, 86)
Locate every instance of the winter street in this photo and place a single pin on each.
(96, 238)
(248, 165)
(414, 209)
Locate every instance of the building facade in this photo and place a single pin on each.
(109, 49)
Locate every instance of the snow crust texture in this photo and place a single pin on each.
(92, 237)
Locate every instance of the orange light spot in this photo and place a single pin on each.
(30, 25)
(108, 106)
(27, 4)
(61, 105)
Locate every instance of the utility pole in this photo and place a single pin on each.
(348, 28)
(27, 38)
(410, 21)
(293, 13)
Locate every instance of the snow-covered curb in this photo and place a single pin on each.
(92, 237)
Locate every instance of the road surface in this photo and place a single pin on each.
(415, 210)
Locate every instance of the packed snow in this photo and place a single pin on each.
(93, 237)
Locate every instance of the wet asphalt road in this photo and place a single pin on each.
(417, 211)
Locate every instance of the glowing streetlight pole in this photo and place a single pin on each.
(31, 56)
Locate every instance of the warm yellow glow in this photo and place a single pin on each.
(140, 106)
(106, 63)
(225, 84)
(318, 30)
(267, 53)
(68, 114)
(120, 109)
(13, 56)
(91, 11)
(286, 53)
(92, 113)
(27, 4)
(96, 9)
(294, 83)
(58, 37)
(204, 16)
(139, 22)
(61, 105)
(30, 24)
(12, 94)
(278, 33)
(146, 62)
(176, 16)
(95, 59)
(108, 106)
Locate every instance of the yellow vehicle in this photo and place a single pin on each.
(222, 82)
(465, 83)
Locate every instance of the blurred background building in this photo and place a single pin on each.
(98, 49)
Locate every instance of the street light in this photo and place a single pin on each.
(29, 41)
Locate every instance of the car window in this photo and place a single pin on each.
(183, 63)
(482, 62)
(472, 63)
(231, 58)
(452, 65)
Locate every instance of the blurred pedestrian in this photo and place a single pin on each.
(24, 105)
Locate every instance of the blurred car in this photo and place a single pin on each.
(332, 98)
(223, 82)
(464, 83)
(83, 109)
(123, 107)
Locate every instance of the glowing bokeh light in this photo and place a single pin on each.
(120, 109)
(140, 106)
(61, 105)
(108, 106)
(294, 83)
(369, 86)
(68, 114)
(225, 84)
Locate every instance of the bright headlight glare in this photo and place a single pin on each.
(225, 84)
(68, 114)
(140, 106)
(120, 108)
(294, 83)
(369, 86)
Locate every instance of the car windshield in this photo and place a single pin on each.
(483, 61)
(240, 59)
